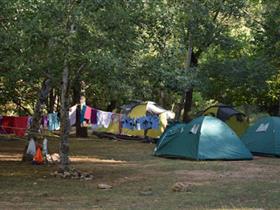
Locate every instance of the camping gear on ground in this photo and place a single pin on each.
(53, 158)
(31, 149)
(236, 120)
(204, 138)
(144, 109)
(264, 136)
(38, 158)
(45, 146)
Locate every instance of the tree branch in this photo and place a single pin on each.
(22, 107)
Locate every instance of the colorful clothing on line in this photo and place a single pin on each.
(87, 113)
(128, 123)
(54, 123)
(7, 125)
(44, 121)
(20, 125)
(83, 111)
(72, 115)
(93, 118)
(104, 118)
(155, 122)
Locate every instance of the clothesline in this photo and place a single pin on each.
(99, 118)
(95, 117)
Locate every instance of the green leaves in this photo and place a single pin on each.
(137, 49)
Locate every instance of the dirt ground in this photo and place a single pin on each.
(139, 180)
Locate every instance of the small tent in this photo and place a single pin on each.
(141, 109)
(233, 118)
(204, 138)
(264, 136)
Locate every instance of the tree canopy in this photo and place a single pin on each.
(118, 51)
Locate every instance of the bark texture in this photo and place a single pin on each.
(64, 119)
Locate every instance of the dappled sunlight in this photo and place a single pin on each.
(90, 159)
(10, 157)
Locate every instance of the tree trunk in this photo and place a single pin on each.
(189, 91)
(78, 86)
(36, 118)
(188, 105)
(65, 125)
(51, 101)
(161, 97)
(186, 101)
(180, 108)
(76, 89)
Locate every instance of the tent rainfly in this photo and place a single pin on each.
(204, 138)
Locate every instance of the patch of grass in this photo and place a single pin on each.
(213, 184)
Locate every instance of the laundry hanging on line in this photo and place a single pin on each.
(97, 118)
(20, 124)
(127, 122)
(93, 118)
(53, 121)
(140, 123)
(104, 118)
(72, 115)
(7, 125)
(14, 125)
(87, 113)
(44, 121)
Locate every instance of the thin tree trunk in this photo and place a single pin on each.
(51, 101)
(162, 97)
(189, 92)
(64, 116)
(76, 89)
(188, 105)
(186, 101)
(35, 125)
(78, 86)
(180, 108)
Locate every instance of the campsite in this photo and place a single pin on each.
(139, 104)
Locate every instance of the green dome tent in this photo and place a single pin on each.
(204, 138)
(264, 136)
